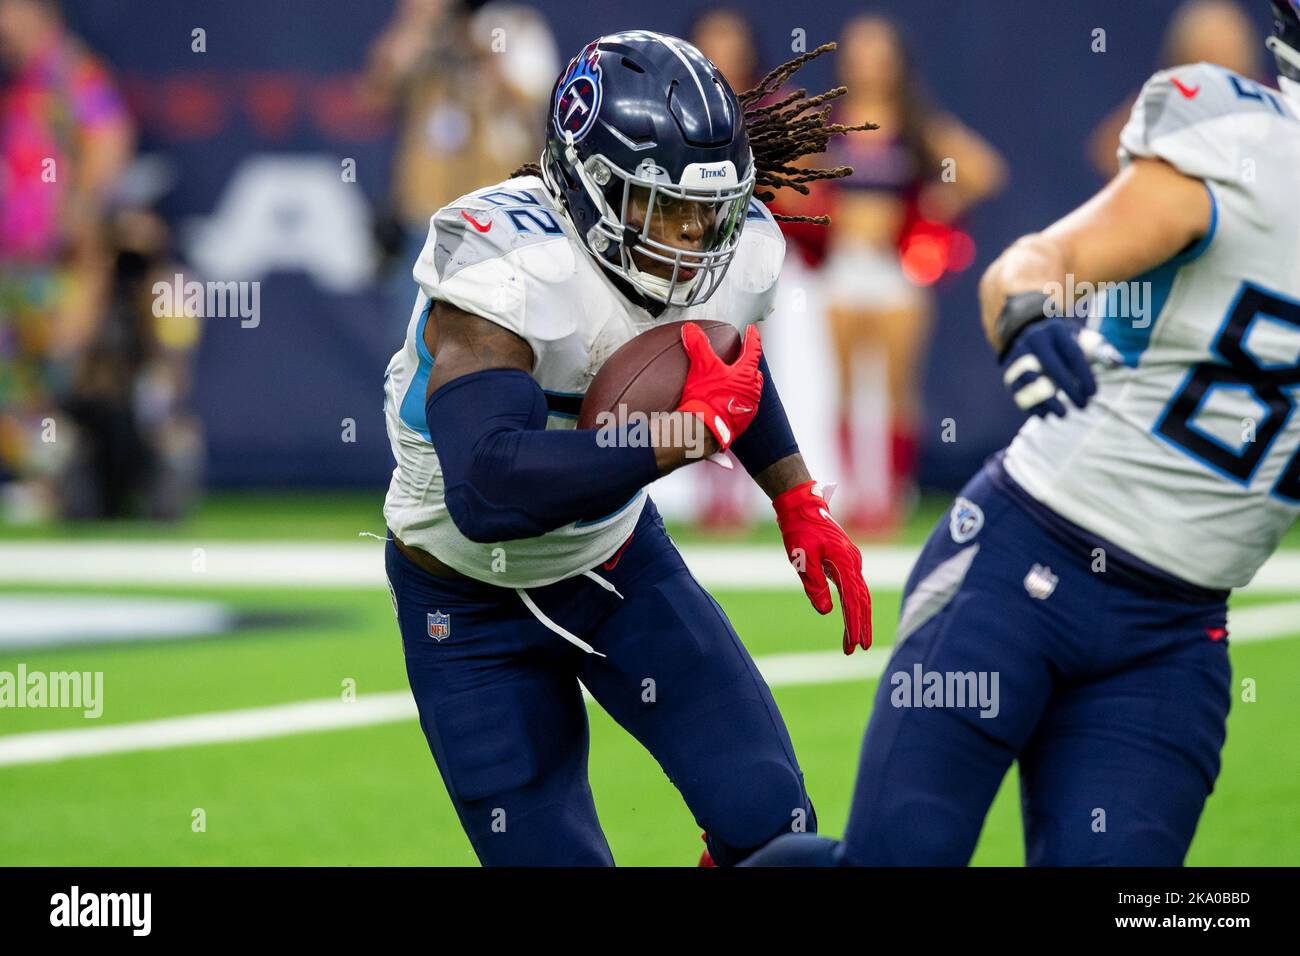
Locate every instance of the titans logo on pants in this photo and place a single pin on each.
(965, 520)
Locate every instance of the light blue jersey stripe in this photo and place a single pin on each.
(1119, 328)
(412, 409)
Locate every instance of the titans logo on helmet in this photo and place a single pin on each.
(578, 93)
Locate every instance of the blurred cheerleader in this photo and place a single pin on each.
(798, 350)
(915, 174)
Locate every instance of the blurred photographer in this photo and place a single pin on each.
(65, 138)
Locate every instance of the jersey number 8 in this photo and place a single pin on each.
(1269, 384)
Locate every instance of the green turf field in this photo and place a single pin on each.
(371, 794)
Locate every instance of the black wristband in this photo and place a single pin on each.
(1019, 311)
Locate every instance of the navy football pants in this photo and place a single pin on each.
(1112, 697)
(501, 706)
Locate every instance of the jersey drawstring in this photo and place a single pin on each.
(603, 583)
(550, 625)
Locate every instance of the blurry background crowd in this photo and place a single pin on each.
(303, 145)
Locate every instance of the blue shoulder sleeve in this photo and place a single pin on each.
(769, 437)
(506, 477)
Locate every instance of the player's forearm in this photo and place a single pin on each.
(1142, 218)
(783, 475)
(524, 483)
(768, 440)
(1033, 263)
(679, 438)
(767, 448)
(506, 477)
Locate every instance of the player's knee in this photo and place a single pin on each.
(1085, 838)
(752, 804)
(797, 849)
(914, 832)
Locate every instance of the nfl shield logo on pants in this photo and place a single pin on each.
(1040, 582)
(439, 626)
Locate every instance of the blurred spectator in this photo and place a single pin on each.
(65, 138)
(471, 93)
(139, 447)
(918, 172)
(1209, 31)
(726, 36)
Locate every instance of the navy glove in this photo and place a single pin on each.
(1050, 355)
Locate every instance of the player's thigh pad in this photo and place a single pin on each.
(677, 677)
(506, 723)
(1120, 768)
(961, 694)
(950, 714)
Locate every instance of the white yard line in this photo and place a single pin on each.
(1261, 622)
(283, 720)
(312, 716)
(255, 723)
(281, 564)
(36, 620)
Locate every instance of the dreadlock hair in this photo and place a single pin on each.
(782, 133)
(527, 169)
(795, 126)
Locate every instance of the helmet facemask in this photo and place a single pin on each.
(1288, 59)
(1283, 45)
(711, 201)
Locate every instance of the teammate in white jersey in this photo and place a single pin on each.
(525, 555)
(1070, 613)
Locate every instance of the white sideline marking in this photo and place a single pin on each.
(1262, 622)
(255, 723)
(282, 720)
(174, 563)
(360, 565)
(36, 620)
(278, 564)
(312, 716)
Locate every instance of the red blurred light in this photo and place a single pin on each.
(961, 251)
(924, 259)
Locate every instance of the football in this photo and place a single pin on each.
(646, 374)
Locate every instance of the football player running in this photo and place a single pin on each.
(1082, 577)
(525, 556)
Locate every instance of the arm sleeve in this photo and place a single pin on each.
(506, 477)
(769, 437)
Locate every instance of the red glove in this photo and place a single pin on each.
(817, 546)
(724, 396)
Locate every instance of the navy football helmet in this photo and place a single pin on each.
(643, 127)
(1285, 43)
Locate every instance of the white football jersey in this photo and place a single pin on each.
(1189, 454)
(508, 253)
